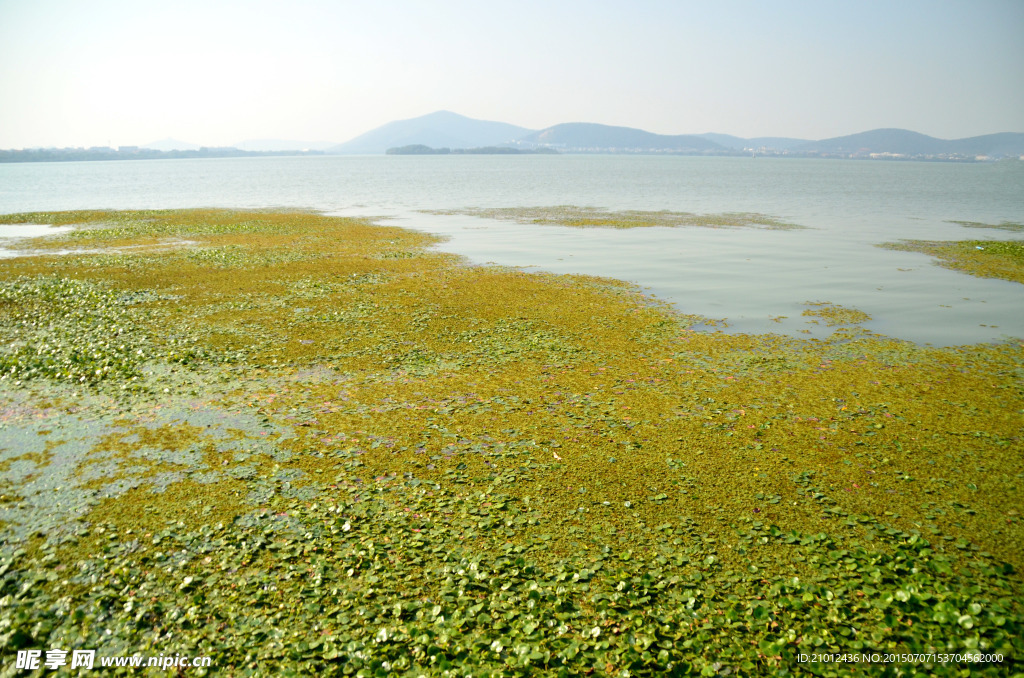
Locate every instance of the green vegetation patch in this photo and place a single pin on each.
(402, 465)
(591, 217)
(401, 577)
(1002, 259)
(106, 227)
(76, 331)
(1002, 226)
(834, 314)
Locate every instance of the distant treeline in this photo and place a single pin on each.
(420, 149)
(131, 153)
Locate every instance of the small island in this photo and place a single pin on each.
(420, 149)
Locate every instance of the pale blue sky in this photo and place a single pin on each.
(217, 72)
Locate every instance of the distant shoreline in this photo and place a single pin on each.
(106, 154)
(133, 153)
(420, 149)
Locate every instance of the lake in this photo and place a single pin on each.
(758, 280)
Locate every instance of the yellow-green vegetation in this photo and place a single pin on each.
(984, 258)
(834, 315)
(1002, 226)
(323, 449)
(591, 217)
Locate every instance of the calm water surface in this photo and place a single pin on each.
(745, 276)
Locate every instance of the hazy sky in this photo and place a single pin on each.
(216, 72)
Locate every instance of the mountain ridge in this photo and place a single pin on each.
(445, 129)
(592, 136)
(740, 143)
(902, 142)
(437, 129)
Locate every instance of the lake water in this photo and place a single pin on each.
(743, 275)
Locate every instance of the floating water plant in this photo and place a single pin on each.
(591, 217)
(1002, 226)
(984, 258)
(834, 314)
(374, 464)
(75, 331)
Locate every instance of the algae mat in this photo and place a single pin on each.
(1002, 259)
(592, 217)
(307, 445)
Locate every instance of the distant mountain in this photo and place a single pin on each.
(906, 143)
(420, 149)
(592, 137)
(282, 145)
(739, 143)
(442, 129)
(1001, 145)
(877, 141)
(171, 145)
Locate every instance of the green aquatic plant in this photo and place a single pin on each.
(1002, 226)
(401, 577)
(402, 465)
(984, 258)
(76, 331)
(834, 314)
(591, 217)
